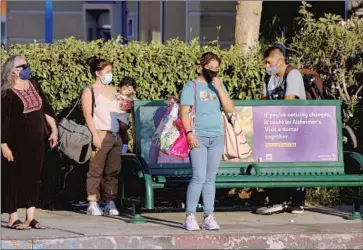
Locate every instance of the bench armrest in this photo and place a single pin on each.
(357, 157)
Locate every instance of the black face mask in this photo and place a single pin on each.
(209, 74)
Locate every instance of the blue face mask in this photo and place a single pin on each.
(107, 79)
(25, 73)
(272, 70)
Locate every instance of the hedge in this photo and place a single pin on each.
(334, 47)
(330, 45)
(160, 69)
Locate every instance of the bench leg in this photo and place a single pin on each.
(122, 195)
(356, 211)
(136, 212)
(149, 192)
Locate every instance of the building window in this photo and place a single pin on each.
(130, 27)
(98, 20)
(3, 36)
(210, 20)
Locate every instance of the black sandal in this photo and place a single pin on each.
(36, 225)
(18, 225)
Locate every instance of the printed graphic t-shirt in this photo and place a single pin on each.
(208, 116)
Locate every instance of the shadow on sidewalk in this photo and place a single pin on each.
(168, 223)
(125, 216)
(329, 211)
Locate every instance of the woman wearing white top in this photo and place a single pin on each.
(105, 163)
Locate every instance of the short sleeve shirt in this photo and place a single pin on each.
(208, 114)
(294, 84)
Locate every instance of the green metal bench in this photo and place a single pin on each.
(140, 178)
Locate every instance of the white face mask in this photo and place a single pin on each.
(272, 70)
(107, 79)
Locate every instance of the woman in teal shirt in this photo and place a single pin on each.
(206, 140)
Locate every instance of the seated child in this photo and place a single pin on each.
(125, 97)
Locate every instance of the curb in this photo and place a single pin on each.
(205, 241)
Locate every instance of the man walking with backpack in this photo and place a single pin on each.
(284, 83)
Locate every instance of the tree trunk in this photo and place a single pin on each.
(248, 18)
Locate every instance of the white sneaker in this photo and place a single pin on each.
(210, 223)
(271, 209)
(191, 223)
(94, 209)
(296, 209)
(110, 209)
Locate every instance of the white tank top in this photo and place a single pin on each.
(105, 113)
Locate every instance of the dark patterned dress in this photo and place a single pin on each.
(23, 128)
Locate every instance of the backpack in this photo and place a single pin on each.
(312, 83)
(75, 140)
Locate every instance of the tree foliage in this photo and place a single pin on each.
(333, 47)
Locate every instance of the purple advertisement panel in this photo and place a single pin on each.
(294, 133)
(262, 134)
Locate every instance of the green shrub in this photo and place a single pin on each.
(333, 47)
(160, 69)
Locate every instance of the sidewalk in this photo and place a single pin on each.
(321, 228)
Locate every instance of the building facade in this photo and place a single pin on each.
(26, 21)
(48, 21)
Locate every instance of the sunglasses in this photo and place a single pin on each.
(22, 66)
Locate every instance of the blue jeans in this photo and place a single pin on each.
(205, 161)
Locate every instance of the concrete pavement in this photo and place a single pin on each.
(320, 228)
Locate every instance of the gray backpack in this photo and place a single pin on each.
(75, 140)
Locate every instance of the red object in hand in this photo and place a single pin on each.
(125, 104)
